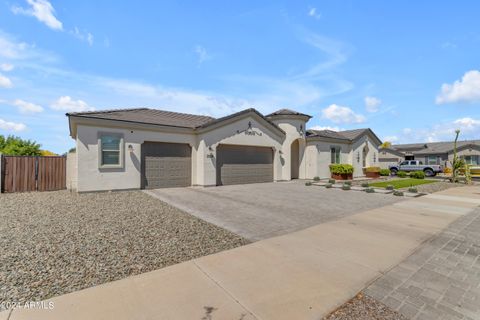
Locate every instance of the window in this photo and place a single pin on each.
(472, 160)
(110, 150)
(334, 155)
(432, 160)
(405, 163)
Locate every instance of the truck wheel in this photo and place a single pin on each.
(429, 172)
(393, 172)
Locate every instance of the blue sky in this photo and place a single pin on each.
(407, 69)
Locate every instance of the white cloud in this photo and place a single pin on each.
(11, 49)
(83, 36)
(465, 90)
(6, 67)
(407, 130)
(43, 11)
(66, 103)
(5, 82)
(339, 114)
(314, 14)
(11, 126)
(468, 124)
(327, 128)
(27, 107)
(202, 54)
(372, 104)
(391, 138)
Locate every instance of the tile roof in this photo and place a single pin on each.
(348, 135)
(164, 118)
(148, 116)
(433, 147)
(288, 112)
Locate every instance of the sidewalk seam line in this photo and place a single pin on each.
(225, 290)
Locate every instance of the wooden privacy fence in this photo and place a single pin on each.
(24, 173)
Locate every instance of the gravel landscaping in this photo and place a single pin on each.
(363, 307)
(52, 243)
(438, 186)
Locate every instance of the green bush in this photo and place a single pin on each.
(308, 184)
(346, 187)
(316, 178)
(412, 190)
(341, 168)
(384, 172)
(417, 175)
(328, 185)
(398, 193)
(389, 187)
(332, 181)
(365, 184)
(348, 183)
(372, 169)
(370, 190)
(401, 174)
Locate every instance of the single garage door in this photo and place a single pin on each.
(166, 165)
(244, 164)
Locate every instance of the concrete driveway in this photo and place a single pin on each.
(263, 210)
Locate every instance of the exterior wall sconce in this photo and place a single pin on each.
(301, 130)
(280, 151)
(358, 157)
(130, 148)
(210, 155)
(374, 157)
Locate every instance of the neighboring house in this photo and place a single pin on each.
(431, 153)
(149, 148)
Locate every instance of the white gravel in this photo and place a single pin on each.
(52, 243)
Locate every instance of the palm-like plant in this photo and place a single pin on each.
(457, 162)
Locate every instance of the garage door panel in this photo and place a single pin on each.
(244, 164)
(166, 165)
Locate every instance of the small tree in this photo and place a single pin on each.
(386, 144)
(457, 162)
(15, 146)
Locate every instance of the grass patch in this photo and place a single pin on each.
(401, 183)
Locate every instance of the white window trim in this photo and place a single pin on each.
(120, 165)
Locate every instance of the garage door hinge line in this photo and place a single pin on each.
(226, 291)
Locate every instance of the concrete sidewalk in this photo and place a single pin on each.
(302, 275)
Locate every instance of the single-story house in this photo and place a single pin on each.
(149, 148)
(431, 153)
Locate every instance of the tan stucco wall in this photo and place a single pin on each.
(319, 157)
(72, 169)
(228, 134)
(292, 129)
(92, 178)
(203, 167)
(357, 161)
(388, 158)
(474, 151)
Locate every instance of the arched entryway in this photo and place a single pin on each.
(365, 155)
(295, 159)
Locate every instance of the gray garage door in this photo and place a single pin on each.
(166, 165)
(244, 164)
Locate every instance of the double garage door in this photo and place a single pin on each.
(244, 164)
(168, 165)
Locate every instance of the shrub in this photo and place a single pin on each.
(372, 169)
(316, 178)
(398, 193)
(412, 190)
(389, 187)
(447, 170)
(384, 172)
(328, 185)
(417, 175)
(341, 169)
(346, 187)
(348, 183)
(308, 184)
(332, 181)
(401, 174)
(365, 185)
(370, 190)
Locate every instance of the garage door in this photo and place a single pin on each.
(244, 164)
(166, 165)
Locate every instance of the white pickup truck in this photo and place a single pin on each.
(416, 165)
